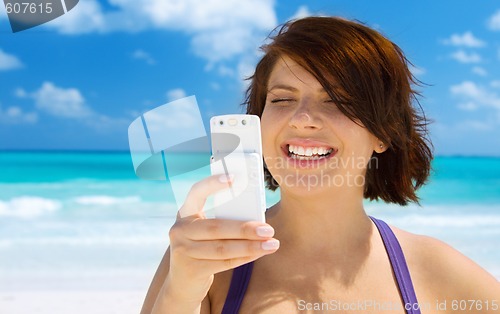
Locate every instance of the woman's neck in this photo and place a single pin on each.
(334, 220)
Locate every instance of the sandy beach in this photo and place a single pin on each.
(71, 302)
(77, 243)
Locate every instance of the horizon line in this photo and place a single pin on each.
(119, 151)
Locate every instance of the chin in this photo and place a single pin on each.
(305, 184)
(309, 183)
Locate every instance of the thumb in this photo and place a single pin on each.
(200, 191)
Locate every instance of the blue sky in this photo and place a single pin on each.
(78, 81)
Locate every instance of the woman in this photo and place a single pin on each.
(335, 100)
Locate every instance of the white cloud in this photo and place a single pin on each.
(417, 71)
(181, 117)
(215, 86)
(478, 125)
(468, 106)
(87, 17)
(474, 96)
(220, 29)
(143, 55)
(494, 21)
(195, 15)
(464, 57)
(61, 102)
(479, 71)
(20, 93)
(302, 11)
(466, 40)
(223, 44)
(495, 84)
(246, 68)
(58, 101)
(9, 62)
(66, 103)
(469, 136)
(15, 115)
(224, 70)
(176, 93)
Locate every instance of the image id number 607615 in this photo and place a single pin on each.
(28, 7)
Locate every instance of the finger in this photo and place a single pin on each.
(218, 229)
(231, 249)
(199, 192)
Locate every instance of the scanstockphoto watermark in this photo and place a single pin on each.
(25, 14)
(323, 176)
(321, 179)
(350, 162)
(363, 306)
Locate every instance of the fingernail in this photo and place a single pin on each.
(264, 231)
(270, 245)
(225, 178)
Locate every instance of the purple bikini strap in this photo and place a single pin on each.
(239, 284)
(399, 267)
(241, 275)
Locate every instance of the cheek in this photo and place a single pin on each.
(266, 126)
(267, 117)
(360, 141)
(269, 123)
(271, 126)
(264, 120)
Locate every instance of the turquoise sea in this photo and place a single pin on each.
(73, 220)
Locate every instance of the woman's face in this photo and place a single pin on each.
(308, 144)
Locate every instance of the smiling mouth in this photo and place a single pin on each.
(309, 153)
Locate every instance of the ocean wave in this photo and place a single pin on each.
(457, 221)
(102, 240)
(27, 207)
(106, 200)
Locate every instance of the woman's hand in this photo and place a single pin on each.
(200, 247)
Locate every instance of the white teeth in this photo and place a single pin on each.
(301, 151)
(307, 152)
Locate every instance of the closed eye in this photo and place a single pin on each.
(278, 100)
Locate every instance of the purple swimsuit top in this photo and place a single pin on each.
(242, 274)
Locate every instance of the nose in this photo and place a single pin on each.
(304, 117)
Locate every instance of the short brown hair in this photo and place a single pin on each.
(368, 77)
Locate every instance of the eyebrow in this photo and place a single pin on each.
(282, 86)
(291, 88)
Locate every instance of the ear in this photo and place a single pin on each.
(380, 147)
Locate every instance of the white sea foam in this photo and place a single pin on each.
(106, 200)
(100, 240)
(4, 244)
(27, 207)
(453, 216)
(487, 220)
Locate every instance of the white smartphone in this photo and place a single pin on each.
(237, 150)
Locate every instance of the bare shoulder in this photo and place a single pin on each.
(443, 272)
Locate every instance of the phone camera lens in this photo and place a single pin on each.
(244, 122)
(221, 122)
